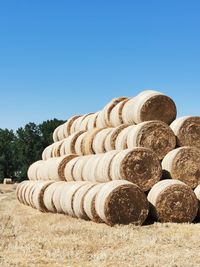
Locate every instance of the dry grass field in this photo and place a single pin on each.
(29, 238)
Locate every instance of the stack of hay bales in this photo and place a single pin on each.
(119, 164)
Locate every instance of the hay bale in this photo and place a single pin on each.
(183, 164)
(38, 195)
(121, 139)
(67, 126)
(73, 126)
(149, 105)
(48, 152)
(33, 170)
(98, 143)
(27, 192)
(87, 143)
(172, 201)
(68, 170)
(56, 148)
(78, 201)
(187, 131)
(7, 181)
(100, 121)
(140, 166)
(56, 196)
(67, 196)
(92, 121)
(55, 134)
(79, 121)
(155, 135)
(48, 196)
(121, 202)
(19, 189)
(116, 114)
(60, 133)
(77, 171)
(79, 144)
(68, 146)
(89, 168)
(89, 203)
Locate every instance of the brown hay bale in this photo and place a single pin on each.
(89, 168)
(77, 171)
(68, 170)
(121, 140)
(108, 109)
(121, 202)
(79, 144)
(68, 146)
(88, 141)
(38, 195)
(92, 121)
(140, 166)
(56, 196)
(89, 203)
(48, 196)
(67, 195)
(55, 134)
(172, 201)
(116, 114)
(33, 170)
(183, 164)
(78, 201)
(149, 105)
(155, 135)
(187, 131)
(67, 126)
(98, 143)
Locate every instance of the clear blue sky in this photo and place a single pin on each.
(59, 58)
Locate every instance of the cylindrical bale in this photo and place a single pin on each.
(19, 189)
(68, 170)
(98, 144)
(197, 193)
(78, 201)
(121, 202)
(31, 191)
(149, 105)
(112, 136)
(33, 169)
(88, 141)
(68, 146)
(27, 200)
(172, 201)
(67, 195)
(139, 165)
(84, 123)
(48, 152)
(67, 125)
(23, 192)
(48, 196)
(183, 164)
(73, 126)
(79, 123)
(108, 109)
(121, 140)
(55, 134)
(187, 131)
(89, 203)
(78, 168)
(100, 121)
(102, 172)
(116, 114)
(155, 135)
(60, 132)
(56, 196)
(56, 148)
(89, 168)
(38, 195)
(92, 121)
(79, 144)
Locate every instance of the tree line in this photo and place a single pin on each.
(21, 148)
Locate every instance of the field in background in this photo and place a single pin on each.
(29, 238)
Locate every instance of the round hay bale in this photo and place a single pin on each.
(78, 168)
(30, 195)
(19, 190)
(48, 152)
(149, 105)
(33, 170)
(67, 195)
(187, 131)
(61, 167)
(60, 133)
(38, 195)
(100, 121)
(68, 146)
(89, 203)
(68, 170)
(89, 168)
(73, 126)
(78, 201)
(23, 192)
(56, 148)
(121, 202)
(108, 109)
(98, 144)
(79, 144)
(27, 191)
(92, 121)
(121, 139)
(172, 201)
(87, 143)
(102, 173)
(55, 134)
(155, 135)
(183, 164)
(79, 123)
(197, 193)
(140, 166)
(84, 122)
(67, 126)
(116, 114)
(56, 196)
(48, 196)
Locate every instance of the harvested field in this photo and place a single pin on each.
(30, 238)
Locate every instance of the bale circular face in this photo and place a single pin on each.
(158, 107)
(187, 130)
(155, 135)
(177, 203)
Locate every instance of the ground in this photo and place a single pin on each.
(31, 238)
